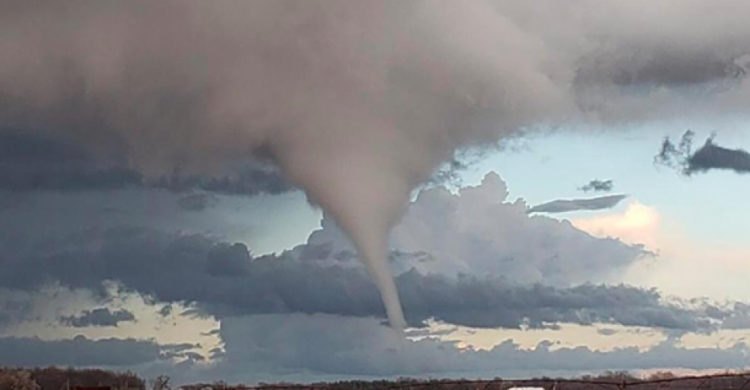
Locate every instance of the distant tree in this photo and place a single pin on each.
(616, 376)
(11, 379)
(161, 382)
(660, 375)
(54, 378)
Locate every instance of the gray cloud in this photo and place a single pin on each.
(31, 161)
(101, 317)
(175, 268)
(34, 162)
(597, 185)
(246, 180)
(168, 268)
(567, 205)
(495, 303)
(80, 351)
(327, 345)
(708, 157)
(735, 316)
(197, 201)
(653, 65)
(11, 200)
(46, 219)
(15, 307)
(455, 256)
(712, 156)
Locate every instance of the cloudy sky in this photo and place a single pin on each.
(302, 191)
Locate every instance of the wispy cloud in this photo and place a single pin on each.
(568, 205)
(597, 185)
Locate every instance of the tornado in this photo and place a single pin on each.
(357, 103)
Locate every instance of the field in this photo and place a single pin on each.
(71, 379)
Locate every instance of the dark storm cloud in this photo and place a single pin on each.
(567, 205)
(80, 351)
(345, 346)
(15, 307)
(197, 201)
(31, 161)
(497, 303)
(11, 200)
(226, 280)
(245, 180)
(652, 65)
(386, 90)
(101, 317)
(708, 157)
(712, 156)
(597, 185)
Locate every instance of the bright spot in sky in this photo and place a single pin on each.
(638, 224)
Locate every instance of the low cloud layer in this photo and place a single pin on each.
(197, 201)
(708, 157)
(329, 345)
(300, 347)
(171, 269)
(568, 205)
(101, 317)
(34, 162)
(14, 307)
(470, 258)
(80, 351)
(483, 303)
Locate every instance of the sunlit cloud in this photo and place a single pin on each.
(638, 224)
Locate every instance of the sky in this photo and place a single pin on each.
(285, 191)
